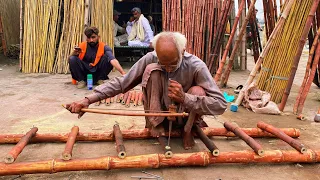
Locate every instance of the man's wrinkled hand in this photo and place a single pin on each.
(175, 91)
(76, 107)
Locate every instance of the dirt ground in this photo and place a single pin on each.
(28, 100)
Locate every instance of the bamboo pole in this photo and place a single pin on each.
(225, 76)
(298, 54)
(140, 101)
(137, 134)
(124, 113)
(249, 140)
(254, 71)
(21, 36)
(86, 18)
(67, 153)
(18, 148)
(121, 150)
(127, 103)
(206, 141)
(108, 101)
(277, 132)
(135, 103)
(133, 96)
(243, 46)
(158, 161)
(308, 67)
(233, 32)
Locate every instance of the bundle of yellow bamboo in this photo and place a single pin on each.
(101, 13)
(73, 23)
(277, 63)
(41, 19)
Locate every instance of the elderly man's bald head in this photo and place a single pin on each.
(169, 47)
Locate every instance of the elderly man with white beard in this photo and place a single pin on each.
(168, 75)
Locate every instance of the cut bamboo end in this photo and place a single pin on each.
(108, 104)
(216, 152)
(127, 105)
(303, 150)
(122, 154)
(168, 154)
(260, 152)
(301, 117)
(103, 101)
(9, 159)
(123, 102)
(66, 156)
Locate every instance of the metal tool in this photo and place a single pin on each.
(151, 176)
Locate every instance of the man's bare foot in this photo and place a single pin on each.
(188, 140)
(157, 131)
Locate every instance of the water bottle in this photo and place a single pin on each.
(89, 81)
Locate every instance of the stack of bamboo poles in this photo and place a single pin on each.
(10, 20)
(41, 29)
(277, 63)
(199, 21)
(71, 35)
(270, 15)
(101, 13)
(310, 74)
(133, 97)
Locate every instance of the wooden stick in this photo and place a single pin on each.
(137, 134)
(124, 113)
(158, 161)
(209, 144)
(18, 148)
(112, 99)
(67, 153)
(298, 54)
(254, 71)
(249, 140)
(281, 135)
(119, 141)
(21, 35)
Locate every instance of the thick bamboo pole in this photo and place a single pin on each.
(137, 134)
(164, 144)
(249, 140)
(257, 66)
(86, 17)
(277, 132)
(135, 103)
(119, 141)
(108, 101)
(225, 76)
(17, 149)
(67, 153)
(233, 32)
(3, 39)
(127, 103)
(206, 141)
(126, 113)
(298, 54)
(158, 161)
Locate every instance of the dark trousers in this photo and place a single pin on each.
(79, 69)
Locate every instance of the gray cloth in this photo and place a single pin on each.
(192, 72)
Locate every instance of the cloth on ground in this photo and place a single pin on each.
(259, 101)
